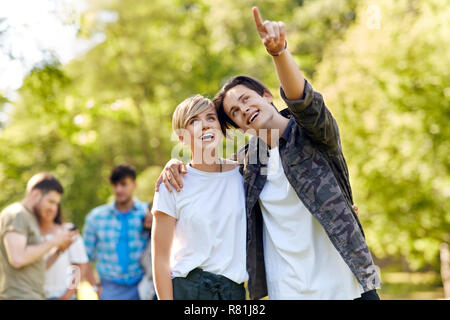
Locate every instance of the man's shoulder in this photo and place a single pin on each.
(13, 210)
(100, 212)
(140, 205)
(17, 218)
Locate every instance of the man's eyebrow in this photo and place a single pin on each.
(241, 96)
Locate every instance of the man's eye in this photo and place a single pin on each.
(235, 112)
(245, 99)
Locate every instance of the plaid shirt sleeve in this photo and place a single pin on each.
(90, 238)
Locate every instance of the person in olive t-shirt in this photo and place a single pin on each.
(22, 266)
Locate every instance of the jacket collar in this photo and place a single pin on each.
(288, 131)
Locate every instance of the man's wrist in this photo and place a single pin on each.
(276, 54)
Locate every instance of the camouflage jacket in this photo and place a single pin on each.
(314, 165)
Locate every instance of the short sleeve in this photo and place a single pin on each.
(14, 221)
(164, 201)
(77, 252)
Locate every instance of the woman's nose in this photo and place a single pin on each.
(205, 124)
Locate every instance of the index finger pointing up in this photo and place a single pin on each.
(257, 17)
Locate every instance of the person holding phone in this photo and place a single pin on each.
(65, 269)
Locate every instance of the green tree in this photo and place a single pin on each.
(387, 84)
(114, 103)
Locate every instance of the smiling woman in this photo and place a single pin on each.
(198, 235)
(196, 123)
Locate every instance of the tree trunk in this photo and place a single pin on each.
(445, 269)
(145, 134)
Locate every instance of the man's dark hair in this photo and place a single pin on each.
(122, 171)
(246, 81)
(45, 182)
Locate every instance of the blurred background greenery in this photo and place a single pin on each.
(382, 66)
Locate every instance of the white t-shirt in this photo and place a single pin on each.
(210, 229)
(301, 262)
(59, 276)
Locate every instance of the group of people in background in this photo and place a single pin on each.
(42, 256)
(280, 215)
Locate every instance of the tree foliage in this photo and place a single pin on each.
(387, 88)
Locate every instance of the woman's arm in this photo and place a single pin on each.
(68, 294)
(162, 236)
(53, 256)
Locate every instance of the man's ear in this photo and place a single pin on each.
(36, 194)
(268, 96)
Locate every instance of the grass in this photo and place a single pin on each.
(396, 286)
(411, 286)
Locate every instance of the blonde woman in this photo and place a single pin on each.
(198, 237)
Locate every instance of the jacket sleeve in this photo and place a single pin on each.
(314, 118)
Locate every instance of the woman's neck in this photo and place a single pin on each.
(208, 167)
(47, 227)
(209, 161)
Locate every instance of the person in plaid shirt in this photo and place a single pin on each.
(115, 238)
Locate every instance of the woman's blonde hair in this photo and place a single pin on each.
(188, 109)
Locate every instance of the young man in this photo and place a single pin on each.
(304, 241)
(22, 266)
(115, 238)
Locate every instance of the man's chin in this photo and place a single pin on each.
(123, 201)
